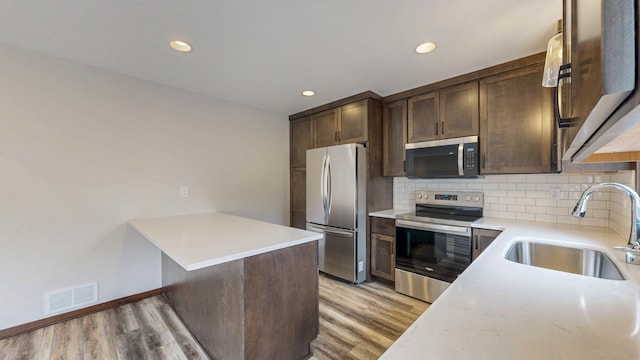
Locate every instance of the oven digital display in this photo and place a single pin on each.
(446, 197)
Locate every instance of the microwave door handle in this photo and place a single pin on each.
(460, 159)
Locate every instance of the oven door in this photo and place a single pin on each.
(434, 250)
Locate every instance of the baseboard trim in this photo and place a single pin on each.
(34, 325)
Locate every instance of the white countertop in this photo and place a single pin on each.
(498, 309)
(200, 240)
(389, 214)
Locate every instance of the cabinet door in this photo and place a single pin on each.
(383, 252)
(298, 204)
(423, 122)
(394, 132)
(459, 110)
(482, 238)
(300, 140)
(324, 128)
(516, 123)
(353, 123)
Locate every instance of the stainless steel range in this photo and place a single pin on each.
(433, 244)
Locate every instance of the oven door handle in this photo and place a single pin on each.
(447, 229)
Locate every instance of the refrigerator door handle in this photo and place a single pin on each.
(323, 186)
(328, 230)
(329, 197)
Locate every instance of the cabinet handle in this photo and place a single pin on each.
(404, 165)
(475, 241)
(442, 128)
(564, 73)
(339, 136)
(484, 161)
(335, 136)
(436, 128)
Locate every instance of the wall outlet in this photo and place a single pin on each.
(184, 192)
(554, 194)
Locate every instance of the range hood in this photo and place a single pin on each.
(615, 141)
(600, 41)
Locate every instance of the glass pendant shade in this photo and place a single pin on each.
(553, 62)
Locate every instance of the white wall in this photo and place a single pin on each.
(83, 150)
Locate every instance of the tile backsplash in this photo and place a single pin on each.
(538, 197)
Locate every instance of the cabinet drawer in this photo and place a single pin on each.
(383, 226)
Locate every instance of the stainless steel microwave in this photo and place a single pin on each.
(447, 158)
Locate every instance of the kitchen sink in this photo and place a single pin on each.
(580, 261)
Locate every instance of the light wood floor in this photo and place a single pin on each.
(361, 322)
(147, 329)
(356, 322)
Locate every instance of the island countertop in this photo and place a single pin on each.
(200, 240)
(499, 309)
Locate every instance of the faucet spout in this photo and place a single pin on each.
(581, 207)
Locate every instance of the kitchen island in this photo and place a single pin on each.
(500, 309)
(246, 289)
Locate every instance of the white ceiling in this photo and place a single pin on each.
(264, 53)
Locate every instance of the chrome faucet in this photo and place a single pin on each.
(633, 245)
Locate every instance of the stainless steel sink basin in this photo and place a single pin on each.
(580, 261)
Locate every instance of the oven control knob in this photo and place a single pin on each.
(426, 196)
(467, 198)
(419, 196)
(476, 199)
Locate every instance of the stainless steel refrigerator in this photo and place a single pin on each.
(336, 207)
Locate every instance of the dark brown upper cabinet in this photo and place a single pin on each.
(447, 113)
(394, 132)
(423, 117)
(300, 140)
(344, 125)
(517, 129)
(353, 123)
(324, 128)
(459, 110)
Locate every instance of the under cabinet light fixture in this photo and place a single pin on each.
(308, 93)
(553, 60)
(181, 46)
(425, 48)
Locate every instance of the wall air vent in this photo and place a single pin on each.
(66, 299)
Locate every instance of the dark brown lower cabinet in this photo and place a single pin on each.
(394, 137)
(482, 238)
(383, 248)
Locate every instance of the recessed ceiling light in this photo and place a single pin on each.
(425, 48)
(180, 45)
(308, 93)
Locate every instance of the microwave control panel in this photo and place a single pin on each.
(470, 158)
